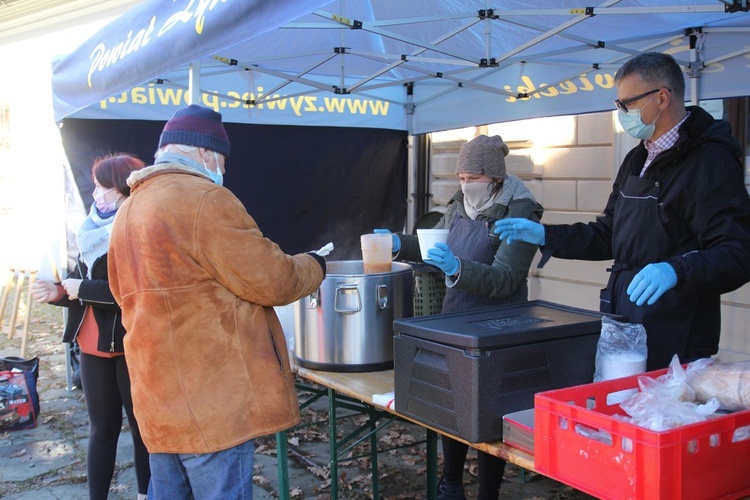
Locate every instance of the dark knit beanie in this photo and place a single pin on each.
(483, 155)
(196, 126)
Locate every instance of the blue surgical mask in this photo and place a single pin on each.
(632, 124)
(217, 176)
(168, 157)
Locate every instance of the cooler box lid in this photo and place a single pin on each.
(503, 326)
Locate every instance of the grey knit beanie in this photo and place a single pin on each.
(483, 155)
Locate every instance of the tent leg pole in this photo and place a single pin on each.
(194, 82)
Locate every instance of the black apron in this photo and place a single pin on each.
(639, 239)
(470, 240)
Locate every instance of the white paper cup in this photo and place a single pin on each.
(428, 238)
(376, 252)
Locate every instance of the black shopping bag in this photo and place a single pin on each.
(19, 400)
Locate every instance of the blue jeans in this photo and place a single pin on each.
(223, 475)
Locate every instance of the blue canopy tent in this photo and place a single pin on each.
(408, 67)
(419, 66)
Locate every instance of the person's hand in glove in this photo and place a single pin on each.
(396, 242)
(518, 228)
(442, 257)
(651, 283)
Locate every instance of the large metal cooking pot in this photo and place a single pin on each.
(347, 324)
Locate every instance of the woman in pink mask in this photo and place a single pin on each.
(94, 321)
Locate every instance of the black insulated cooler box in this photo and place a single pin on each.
(461, 372)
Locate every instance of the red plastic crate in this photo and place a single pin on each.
(621, 460)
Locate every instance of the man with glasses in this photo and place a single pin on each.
(677, 222)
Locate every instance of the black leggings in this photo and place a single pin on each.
(491, 468)
(106, 385)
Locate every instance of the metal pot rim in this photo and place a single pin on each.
(396, 268)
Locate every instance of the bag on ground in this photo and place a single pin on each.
(19, 400)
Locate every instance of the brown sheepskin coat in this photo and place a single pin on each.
(196, 281)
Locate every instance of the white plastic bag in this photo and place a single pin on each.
(673, 384)
(666, 402)
(621, 350)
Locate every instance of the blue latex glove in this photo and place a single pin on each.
(651, 283)
(520, 229)
(442, 257)
(396, 242)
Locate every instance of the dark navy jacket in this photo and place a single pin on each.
(691, 209)
(95, 293)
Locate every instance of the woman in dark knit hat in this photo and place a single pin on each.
(480, 271)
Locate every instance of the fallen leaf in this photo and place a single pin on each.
(266, 450)
(320, 472)
(261, 481)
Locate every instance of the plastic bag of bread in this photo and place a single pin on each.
(673, 384)
(667, 401)
(728, 382)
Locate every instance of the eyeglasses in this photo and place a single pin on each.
(622, 105)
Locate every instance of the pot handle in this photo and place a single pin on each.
(314, 298)
(336, 299)
(382, 294)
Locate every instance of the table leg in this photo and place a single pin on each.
(16, 301)
(27, 317)
(432, 481)
(282, 465)
(374, 455)
(334, 448)
(6, 294)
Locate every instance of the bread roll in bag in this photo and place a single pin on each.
(728, 382)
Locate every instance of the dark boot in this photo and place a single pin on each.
(450, 490)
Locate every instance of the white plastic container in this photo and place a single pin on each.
(428, 238)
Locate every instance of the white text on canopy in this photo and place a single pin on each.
(102, 57)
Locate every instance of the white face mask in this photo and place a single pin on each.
(478, 195)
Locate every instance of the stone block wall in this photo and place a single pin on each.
(569, 164)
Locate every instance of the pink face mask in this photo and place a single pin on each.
(105, 207)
